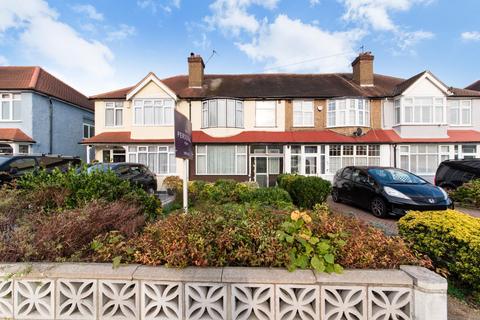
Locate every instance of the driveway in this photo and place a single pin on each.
(388, 225)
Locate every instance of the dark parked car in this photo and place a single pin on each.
(387, 191)
(136, 173)
(14, 166)
(452, 174)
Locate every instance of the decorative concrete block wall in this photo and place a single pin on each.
(96, 291)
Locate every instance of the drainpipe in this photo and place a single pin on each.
(394, 155)
(50, 116)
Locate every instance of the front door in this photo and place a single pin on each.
(266, 170)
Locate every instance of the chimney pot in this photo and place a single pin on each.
(195, 70)
(363, 69)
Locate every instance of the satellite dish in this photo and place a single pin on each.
(358, 132)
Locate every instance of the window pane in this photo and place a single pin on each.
(119, 117)
(109, 116)
(239, 115)
(172, 163)
(138, 116)
(163, 163)
(231, 113)
(265, 114)
(149, 115)
(222, 113)
(241, 164)
(17, 108)
(212, 113)
(310, 165)
(201, 164)
(221, 159)
(159, 112)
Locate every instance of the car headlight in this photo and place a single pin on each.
(395, 193)
(445, 194)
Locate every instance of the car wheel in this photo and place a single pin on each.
(335, 195)
(378, 207)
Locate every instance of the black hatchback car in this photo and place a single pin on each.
(136, 173)
(387, 191)
(451, 174)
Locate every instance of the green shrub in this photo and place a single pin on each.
(221, 191)
(305, 191)
(81, 187)
(468, 194)
(450, 238)
(275, 197)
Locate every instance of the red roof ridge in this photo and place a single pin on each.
(34, 78)
(111, 91)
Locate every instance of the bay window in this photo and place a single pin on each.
(353, 155)
(159, 159)
(265, 114)
(348, 112)
(422, 158)
(88, 130)
(114, 114)
(222, 113)
(10, 105)
(221, 159)
(420, 110)
(303, 113)
(460, 112)
(153, 112)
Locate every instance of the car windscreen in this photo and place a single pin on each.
(395, 176)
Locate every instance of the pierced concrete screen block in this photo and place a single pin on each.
(162, 301)
(342, 302)
(297, 302)
(6, 299)
(389, 303)
(206, 301)
(76, 299)
(119, 300)
(252, 302)
(33, 299)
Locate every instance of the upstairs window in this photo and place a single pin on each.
(222, 113)
(114, 114)
(423, 110)
(303, 113)
(153, 112)
(460, 112)
(88, 130)
(265, 114)
(348, 112)
(10, 105)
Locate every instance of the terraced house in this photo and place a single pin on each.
(256, 126)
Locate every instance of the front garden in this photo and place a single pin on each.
(95, 217)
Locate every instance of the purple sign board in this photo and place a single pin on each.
(183, 137)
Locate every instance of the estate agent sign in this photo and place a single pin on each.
(183, 137)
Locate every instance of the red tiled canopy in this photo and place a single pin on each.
(14, 135)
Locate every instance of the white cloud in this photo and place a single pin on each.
(3, 61)
(202, 42)
(407, 40)
(123, 31)
(155, 5)
(376, 13)
(89, 10)
(471, 36)
(313, 3)
(49, 42)
(293, 46)
(232, 16)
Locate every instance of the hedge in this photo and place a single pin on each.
(450, 238)
(305, 191)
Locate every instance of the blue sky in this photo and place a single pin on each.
(107, 44)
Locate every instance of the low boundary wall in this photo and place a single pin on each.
(96, 291)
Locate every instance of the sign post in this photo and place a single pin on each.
(183, 149)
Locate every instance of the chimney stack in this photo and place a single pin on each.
(195, 70)
(363, 69)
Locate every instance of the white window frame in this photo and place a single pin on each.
(459, 109)
(238, 154)
(237, 116)
(114, 106)
(439, 154)
(169, 149)
(266, 105)
(338, 109)
(164, 106)
(372, 160)
(90, 130)
(418, 109)
(303, 108)
(397, 110)
(10, 98)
